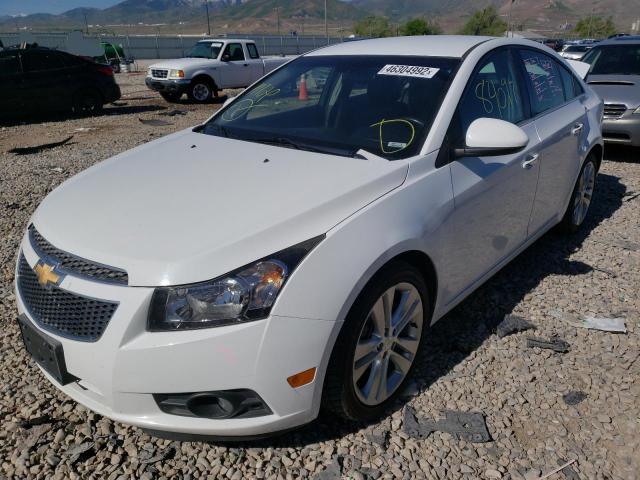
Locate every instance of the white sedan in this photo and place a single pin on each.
(292, 252)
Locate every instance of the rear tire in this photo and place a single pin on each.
(201, 90)
(171, 97)
(373, 359)
(581, 197)
(87, 102)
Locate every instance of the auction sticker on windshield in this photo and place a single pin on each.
(409, 71)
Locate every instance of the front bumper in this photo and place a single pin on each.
(167, 86)
(119, 373)
(624, 130)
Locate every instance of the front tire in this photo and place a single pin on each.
(201, 91)
(581, 197)
(379, 342)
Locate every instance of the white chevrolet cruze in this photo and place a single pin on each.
(291, 252)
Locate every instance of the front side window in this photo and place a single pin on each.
(205, 50)
(544, 81)
(493, 92)
(37, 61)
(614, 60)
(234, 52)
(341, 104)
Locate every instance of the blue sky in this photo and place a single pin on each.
(15, 7)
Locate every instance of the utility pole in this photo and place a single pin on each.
(326, 27)
(509, 27)
(86, 24)
(206, 6)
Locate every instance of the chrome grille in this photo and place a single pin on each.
(159, 73)
(62, 312)
(614, 110)
(75, 265)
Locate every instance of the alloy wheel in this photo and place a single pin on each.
(201, 92)
(584, 193)
(388, 344)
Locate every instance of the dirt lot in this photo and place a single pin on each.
(534, 427)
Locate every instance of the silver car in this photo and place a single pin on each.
(615, 77)
(574, 52)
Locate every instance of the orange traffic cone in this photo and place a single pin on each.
(303, 95)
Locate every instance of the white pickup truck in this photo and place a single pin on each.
(210, 66)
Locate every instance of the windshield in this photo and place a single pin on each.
(341, 104)
(205, 50)
(614, 60)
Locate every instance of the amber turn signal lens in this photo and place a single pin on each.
(302, 378)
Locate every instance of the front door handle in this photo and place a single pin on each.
(531, 159)
(577, 128)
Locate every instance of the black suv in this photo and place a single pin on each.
(37, 79)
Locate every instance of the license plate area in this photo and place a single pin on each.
(45, 350)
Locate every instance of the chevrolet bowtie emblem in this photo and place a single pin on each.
(46, 274)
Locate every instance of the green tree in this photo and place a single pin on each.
(373, 26)
(595, 27)
(420, 26)
(485, 22)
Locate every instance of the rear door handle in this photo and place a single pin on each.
(531, 159)
(577, 128)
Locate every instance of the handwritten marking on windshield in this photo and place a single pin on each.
(397, 146)
(241, 107)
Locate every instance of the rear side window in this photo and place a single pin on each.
(234, 50)
(493, 92)
(9, 64)
(544, 81)
(37, 61)
(253, 50)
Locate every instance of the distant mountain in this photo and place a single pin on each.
(188, 16)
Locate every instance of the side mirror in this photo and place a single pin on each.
(226, 57)
(228, 101)
(492, 137)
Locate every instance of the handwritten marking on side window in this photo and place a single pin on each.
(243, 106)
(395, 147)
(497, 97)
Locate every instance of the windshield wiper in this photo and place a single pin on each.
(287, 142)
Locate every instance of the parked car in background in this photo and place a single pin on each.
(574, 52)
(556, 44)
(38, 79)
(615, 77)
(210, 66)
(292, 251)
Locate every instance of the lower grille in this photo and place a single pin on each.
(61, 312)
(159, 73)
(612, 110)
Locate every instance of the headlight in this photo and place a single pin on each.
(241, 296)
(176, 73)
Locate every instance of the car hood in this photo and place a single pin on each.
(617, 89)
(182, 63)
(191, 207)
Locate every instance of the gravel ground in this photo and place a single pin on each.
(466, 367)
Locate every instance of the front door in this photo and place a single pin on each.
(561, 123)
(234, 71)
(493, 195)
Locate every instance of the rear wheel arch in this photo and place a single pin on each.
(598, 154)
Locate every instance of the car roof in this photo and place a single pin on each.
(629, 39)
(455, 46)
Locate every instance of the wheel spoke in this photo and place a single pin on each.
(378, 317)
(372, 387)
(365, 348)
(403, 317)
(361, 366)
(387, 300)
(401, 363)
(409, 345)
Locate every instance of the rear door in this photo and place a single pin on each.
(493, 195)
(11, 84)
(560, 119)
(47, 80)
(234, 70)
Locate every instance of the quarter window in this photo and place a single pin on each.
(234, 50)
(544, 81)
(493, 92)
(572, 88)
(253, 50)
